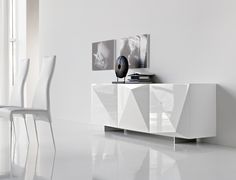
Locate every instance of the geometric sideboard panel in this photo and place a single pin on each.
(184, 110)
(104, 104)
(133, 107)
(167, 105)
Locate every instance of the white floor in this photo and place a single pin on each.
(86, 152)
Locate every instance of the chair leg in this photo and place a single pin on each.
(10, 137)
(11, 119)
(14, 127)
(52, 135)
(26, 128)
(14, 147)
(36, 131)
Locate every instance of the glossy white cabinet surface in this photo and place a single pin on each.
(183, 110)
(104, 104)
(177, 110)
(166, 105)
(133, 107)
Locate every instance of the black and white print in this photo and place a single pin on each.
(136, 50)
(103, 55)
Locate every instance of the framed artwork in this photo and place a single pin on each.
(103, 55)
(135, 49)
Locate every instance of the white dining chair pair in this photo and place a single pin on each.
(40, 109)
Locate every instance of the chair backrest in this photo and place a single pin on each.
(41, 98)
(17, 93)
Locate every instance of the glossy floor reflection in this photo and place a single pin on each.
(86, 152)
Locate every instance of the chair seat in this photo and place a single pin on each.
(39, 114)
(2, 106)
(5, 112)
(18, 112)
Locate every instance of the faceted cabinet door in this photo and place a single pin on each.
(104, 104)
(183, 110)
(167, 103)
(133, 107)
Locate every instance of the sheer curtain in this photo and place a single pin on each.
(12, 48)
(4, 66)
(4, 85)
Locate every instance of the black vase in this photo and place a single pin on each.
(121, 67)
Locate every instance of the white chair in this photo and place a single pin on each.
(17, 93)
(41, 101)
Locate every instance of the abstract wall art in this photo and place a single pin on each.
(103, 55)
(135, 49)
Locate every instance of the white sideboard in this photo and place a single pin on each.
(177, 110)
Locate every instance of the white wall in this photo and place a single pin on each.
(191, 41)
